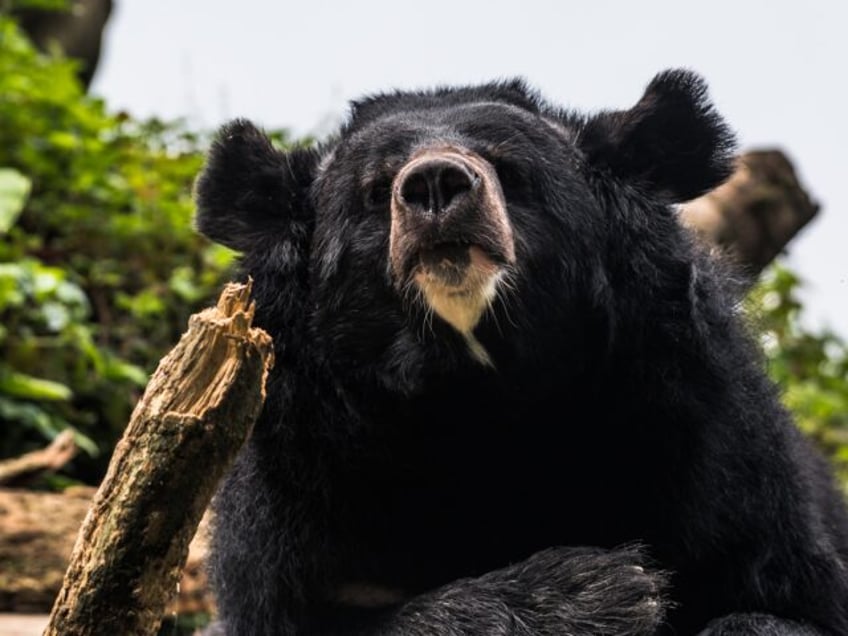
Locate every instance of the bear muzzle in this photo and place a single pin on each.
(450, 234)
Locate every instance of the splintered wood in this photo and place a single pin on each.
(184, 434)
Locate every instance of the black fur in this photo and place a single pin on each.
(672, 143)
(627, 405)
(249, 190)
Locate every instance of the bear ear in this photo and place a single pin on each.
(249, 189)
(672, 143)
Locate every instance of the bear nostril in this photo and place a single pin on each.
(453, 182)
(415, 191)
(434, 185)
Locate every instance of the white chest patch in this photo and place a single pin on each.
(478, 351)
(459, 306)
(461, 303)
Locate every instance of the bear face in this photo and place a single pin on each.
(476, 218)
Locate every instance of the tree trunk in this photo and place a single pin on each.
(196, 412)
(755, 213)
(78, 31)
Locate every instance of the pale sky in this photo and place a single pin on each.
(777, 71)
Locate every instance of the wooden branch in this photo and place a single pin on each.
(756, 212)
(198, 409)
(24, 468)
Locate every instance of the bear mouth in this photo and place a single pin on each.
(447, 262)
(458, 281)
(451, 262)
(457, 266)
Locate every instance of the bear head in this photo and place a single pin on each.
(466, 227)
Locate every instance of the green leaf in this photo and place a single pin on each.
(31, 416)
(21, 385)
(51, 5)
(116, 369)
(14, 190)
(86, 444)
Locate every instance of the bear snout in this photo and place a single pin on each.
(450, 234)
(446, 200)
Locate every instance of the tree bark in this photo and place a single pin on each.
(754, 215)
(198, 409)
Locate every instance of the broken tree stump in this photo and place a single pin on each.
(195, 414)
(755, 213)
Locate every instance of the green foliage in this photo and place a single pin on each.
(99, 265)
(14, 190)
(811, 367)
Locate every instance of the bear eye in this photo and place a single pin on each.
(378, 194)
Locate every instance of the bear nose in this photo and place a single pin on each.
(433, 185)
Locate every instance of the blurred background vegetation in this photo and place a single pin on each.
(99, 265)
(100, 268)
